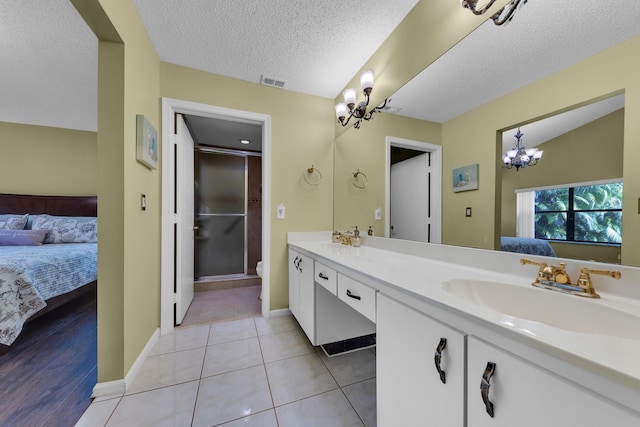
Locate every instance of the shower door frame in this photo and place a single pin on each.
(245, 155)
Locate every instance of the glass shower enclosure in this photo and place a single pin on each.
(220, 214)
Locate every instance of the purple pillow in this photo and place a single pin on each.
(22, 237)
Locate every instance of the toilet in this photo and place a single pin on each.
(259, 273)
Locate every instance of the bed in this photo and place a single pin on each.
(526, 245)
(51, 260)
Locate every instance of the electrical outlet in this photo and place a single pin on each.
(280, 212)
(378, 214)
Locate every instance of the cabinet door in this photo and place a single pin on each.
(410, 391)
(294, 283)
(525, 395)
(307, 297)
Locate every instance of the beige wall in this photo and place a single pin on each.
(46, 160)
(129, 245)
(301, 136)
(365, 149)
(594, 152)
(610, 72)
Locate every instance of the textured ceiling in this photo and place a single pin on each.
(49, 56)
(49, 68)
(315, 46)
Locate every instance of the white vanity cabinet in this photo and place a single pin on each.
(301, 291)
(410, 389)
(525, 395)
(324, 318)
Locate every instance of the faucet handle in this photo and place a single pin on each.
(525, 261)
(611, 273)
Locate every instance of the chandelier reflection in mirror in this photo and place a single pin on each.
(500, 17)
(347, 109)
(519, 156)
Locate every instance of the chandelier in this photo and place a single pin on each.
(500, 17)
(347, 109)
(519, 156)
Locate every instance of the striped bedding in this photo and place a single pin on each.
(29, 275)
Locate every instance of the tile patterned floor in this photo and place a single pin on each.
(245, 372)
(223, 304)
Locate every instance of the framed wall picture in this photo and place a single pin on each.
(146, 143)
(465, 178)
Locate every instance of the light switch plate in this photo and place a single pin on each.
(143, 202)
(468, 212)
(280, 213)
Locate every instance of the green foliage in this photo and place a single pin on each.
(593, 217)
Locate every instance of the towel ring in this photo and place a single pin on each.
(312, 171)
(357, 182)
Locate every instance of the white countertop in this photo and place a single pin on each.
(421, 278)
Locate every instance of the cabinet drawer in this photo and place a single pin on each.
(359, 296)
(327, 277)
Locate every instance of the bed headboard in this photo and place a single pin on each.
(52, 205)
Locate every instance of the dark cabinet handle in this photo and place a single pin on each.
(350, 295)
(295, 262)
(485, 385)
(298, 264)
(438, 359)
(322, 276)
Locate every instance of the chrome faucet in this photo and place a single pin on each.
(556, 278)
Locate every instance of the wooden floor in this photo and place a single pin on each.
(47, 377)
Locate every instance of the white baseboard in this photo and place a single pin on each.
(119, 387)
(109, 389)
(135, 368)
(280, 313)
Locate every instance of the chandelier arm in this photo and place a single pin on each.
(375, 109)
(513, 5)
(345, 122)
(471, 5)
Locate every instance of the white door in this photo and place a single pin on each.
(409, 200)
(184, 220)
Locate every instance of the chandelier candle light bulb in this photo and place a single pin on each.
(350, 108)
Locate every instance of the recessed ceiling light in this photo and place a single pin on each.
(244, 141)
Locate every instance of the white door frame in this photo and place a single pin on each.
(167, 267)
(436, 182)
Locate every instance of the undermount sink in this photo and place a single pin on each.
(561, 311)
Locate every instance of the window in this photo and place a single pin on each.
(588, 213)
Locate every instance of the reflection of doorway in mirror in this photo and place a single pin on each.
(410, 198)
(413, 196)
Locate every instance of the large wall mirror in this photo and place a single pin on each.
(494, 81)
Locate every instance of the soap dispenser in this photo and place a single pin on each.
(355, 240)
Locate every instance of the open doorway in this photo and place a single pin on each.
(413, 197)
(227, 220)
(172, 173)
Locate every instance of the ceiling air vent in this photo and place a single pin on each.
(270, 81)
